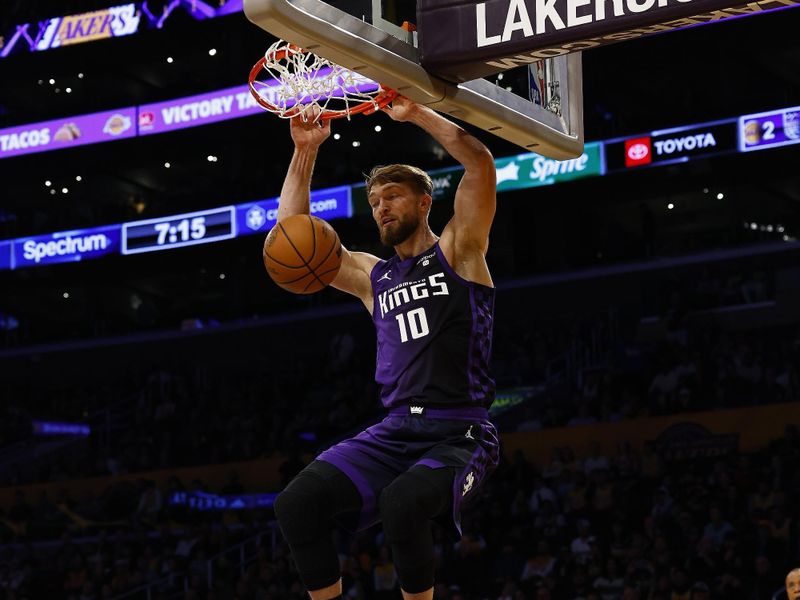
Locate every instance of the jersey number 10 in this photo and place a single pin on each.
(417, 324)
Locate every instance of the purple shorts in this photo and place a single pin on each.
(461, 439)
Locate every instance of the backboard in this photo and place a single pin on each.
(376, 47)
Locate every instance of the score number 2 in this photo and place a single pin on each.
(768, 130)
(194, 229)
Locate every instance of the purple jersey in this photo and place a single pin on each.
(434, 333)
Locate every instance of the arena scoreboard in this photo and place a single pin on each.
(769, 129)
(179, 230)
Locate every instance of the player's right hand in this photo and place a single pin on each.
(308, 132)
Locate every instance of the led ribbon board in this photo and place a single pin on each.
(68, 132)
(65, 246)
(467, 40)
(667, 146)
(755, 132)
(260, 216)
(205, 501)
(769, 129)
(106, 23)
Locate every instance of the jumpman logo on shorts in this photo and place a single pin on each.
(469, 433)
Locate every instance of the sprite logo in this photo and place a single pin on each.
(533, 170)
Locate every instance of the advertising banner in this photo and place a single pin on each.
(260, 216)
(461, 40)
(202, 109)
(54, 428)
(68, 132)
(672, 145)
(66, 246)
(769, 129)
(115, 21)
(206, 501)
(533, 170)
(225, 104)
(6, 260)
(106, 23)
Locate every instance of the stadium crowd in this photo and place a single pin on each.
(207, 415)
(627, 525)
(620, 525)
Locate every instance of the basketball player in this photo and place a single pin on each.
(432, 306)
(793, 584)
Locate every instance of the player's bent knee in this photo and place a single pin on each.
(405, 508)
(400, 509)
(300, 510)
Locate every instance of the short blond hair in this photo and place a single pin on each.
(418, 179)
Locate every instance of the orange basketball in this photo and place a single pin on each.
(302, 254)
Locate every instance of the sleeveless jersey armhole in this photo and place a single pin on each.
(378, 264)
(452, 272)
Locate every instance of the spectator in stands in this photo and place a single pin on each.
(150, 505)
(793, 584)
(580, 546)
(384, 575)
(766, 581)
(20, 512)
(540, 565)
(717, 527)
(700, 591)
(541, 493)
(596, 459)
(610, 583)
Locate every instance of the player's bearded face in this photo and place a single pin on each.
(399, 230)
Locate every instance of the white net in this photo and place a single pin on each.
(292, 82)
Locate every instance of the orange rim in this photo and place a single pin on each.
(384, 97)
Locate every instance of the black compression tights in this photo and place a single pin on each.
(321, 491)
(407, 506)
(304, 511)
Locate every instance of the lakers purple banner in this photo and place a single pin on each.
(476, 39)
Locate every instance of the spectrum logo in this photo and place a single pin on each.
(638, 152)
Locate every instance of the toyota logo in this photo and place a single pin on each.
(638, 151)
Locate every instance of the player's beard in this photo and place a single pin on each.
(399, 231)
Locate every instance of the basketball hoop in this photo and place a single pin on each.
(289, 81)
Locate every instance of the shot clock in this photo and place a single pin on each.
(179, 230)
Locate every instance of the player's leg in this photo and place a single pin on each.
(407, 506)
(305, 510)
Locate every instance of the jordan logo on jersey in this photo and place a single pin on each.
(468, 483)
(387, 275)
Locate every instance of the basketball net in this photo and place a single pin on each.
(289, 82)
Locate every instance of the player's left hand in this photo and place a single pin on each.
(401, 109)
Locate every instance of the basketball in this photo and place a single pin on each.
(302, 254)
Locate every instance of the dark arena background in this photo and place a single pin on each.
(157, 391)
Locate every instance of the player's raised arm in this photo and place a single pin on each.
(353, 276)
(296, 191)
(475, 199)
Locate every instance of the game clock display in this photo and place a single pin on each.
(179, 230)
